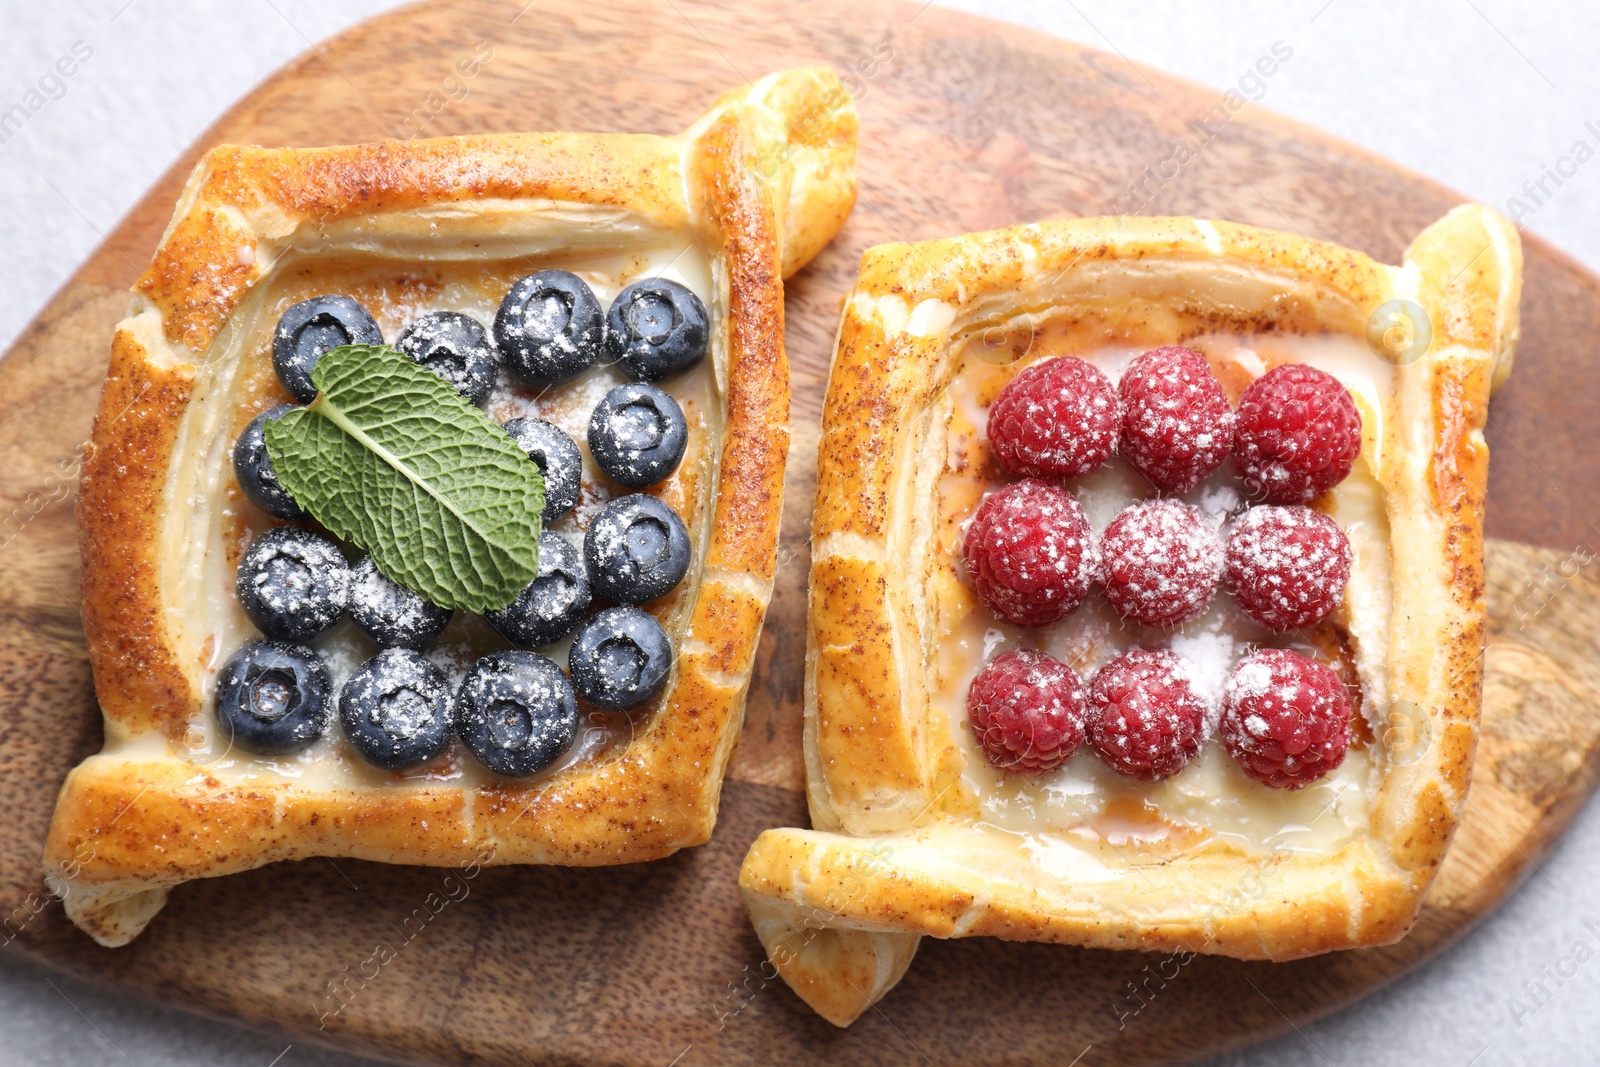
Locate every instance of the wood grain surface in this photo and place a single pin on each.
(966, 125)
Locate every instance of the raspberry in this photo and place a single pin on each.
(1161, 562)
(1057, 419)
(1177, 425)
(1030, 554)
(1144, 718)
(1026, 710)
(1285, 718)
(1286, 566)
(1297, 435)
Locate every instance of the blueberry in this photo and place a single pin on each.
(516, 711)
(558, 459)
(550, 327)
(292, 583)
(272, 697)
(252, 468)
(389, 613)
(308, 330)
(396, 710)
(457, 348)
(552, 604)
(637, 435)
(636, 549)
(657, 328)
(620, 659)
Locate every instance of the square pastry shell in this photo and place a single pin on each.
(759, 183)
(840, 908)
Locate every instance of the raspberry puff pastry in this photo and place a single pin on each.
(745, 197)
(921, 827)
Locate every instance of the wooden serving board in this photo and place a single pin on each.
(966, 124)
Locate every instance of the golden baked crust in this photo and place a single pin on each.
(893, 855)
(759, 183)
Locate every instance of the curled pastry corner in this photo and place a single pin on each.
(112, 915)
(803, 129)
(894, 857)
(761, 181)
(840, 971)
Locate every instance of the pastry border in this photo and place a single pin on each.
(838, 912)
(764, 179)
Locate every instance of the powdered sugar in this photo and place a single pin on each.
(1205, 659)
(457, 348)
(1210, 793)
(1030, 554)
(1177, 425)
(1144, 719)
(1286, 718)
(389, 613)
(1057, 419)
(400, 693)
(1161, 562)
(1287, 566)
(1297, 436)
(1026, 710)
(1252, 679)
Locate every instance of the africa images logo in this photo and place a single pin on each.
(48, 87)
(1140, 192)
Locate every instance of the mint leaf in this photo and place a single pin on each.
(391, 458)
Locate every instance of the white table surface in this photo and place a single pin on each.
(1480, 94)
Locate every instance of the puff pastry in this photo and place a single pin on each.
(913, 834)
(749, 193)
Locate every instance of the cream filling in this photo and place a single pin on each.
(204, 618)
(1086, 822)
